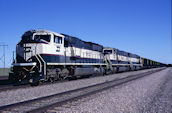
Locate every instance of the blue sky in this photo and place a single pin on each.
(142, 27)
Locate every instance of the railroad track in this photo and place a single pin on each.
(22, 86)
(11, 86)
(48, 102)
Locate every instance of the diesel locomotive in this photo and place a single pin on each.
(43, 55)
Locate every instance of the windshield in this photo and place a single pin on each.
(26, 38)
(44, 38)
(107, 51)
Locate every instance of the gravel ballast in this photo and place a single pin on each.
(150, 94)
(19, 95)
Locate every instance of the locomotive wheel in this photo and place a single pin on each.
(35, 83)
(64, 74)
(107, 72)
(52, 79)
(72, 78)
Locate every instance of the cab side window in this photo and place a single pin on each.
(57, 40)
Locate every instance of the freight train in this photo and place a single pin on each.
(42, 55)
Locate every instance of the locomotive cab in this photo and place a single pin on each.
(35, 49)
(109, 52)
(58, 43)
